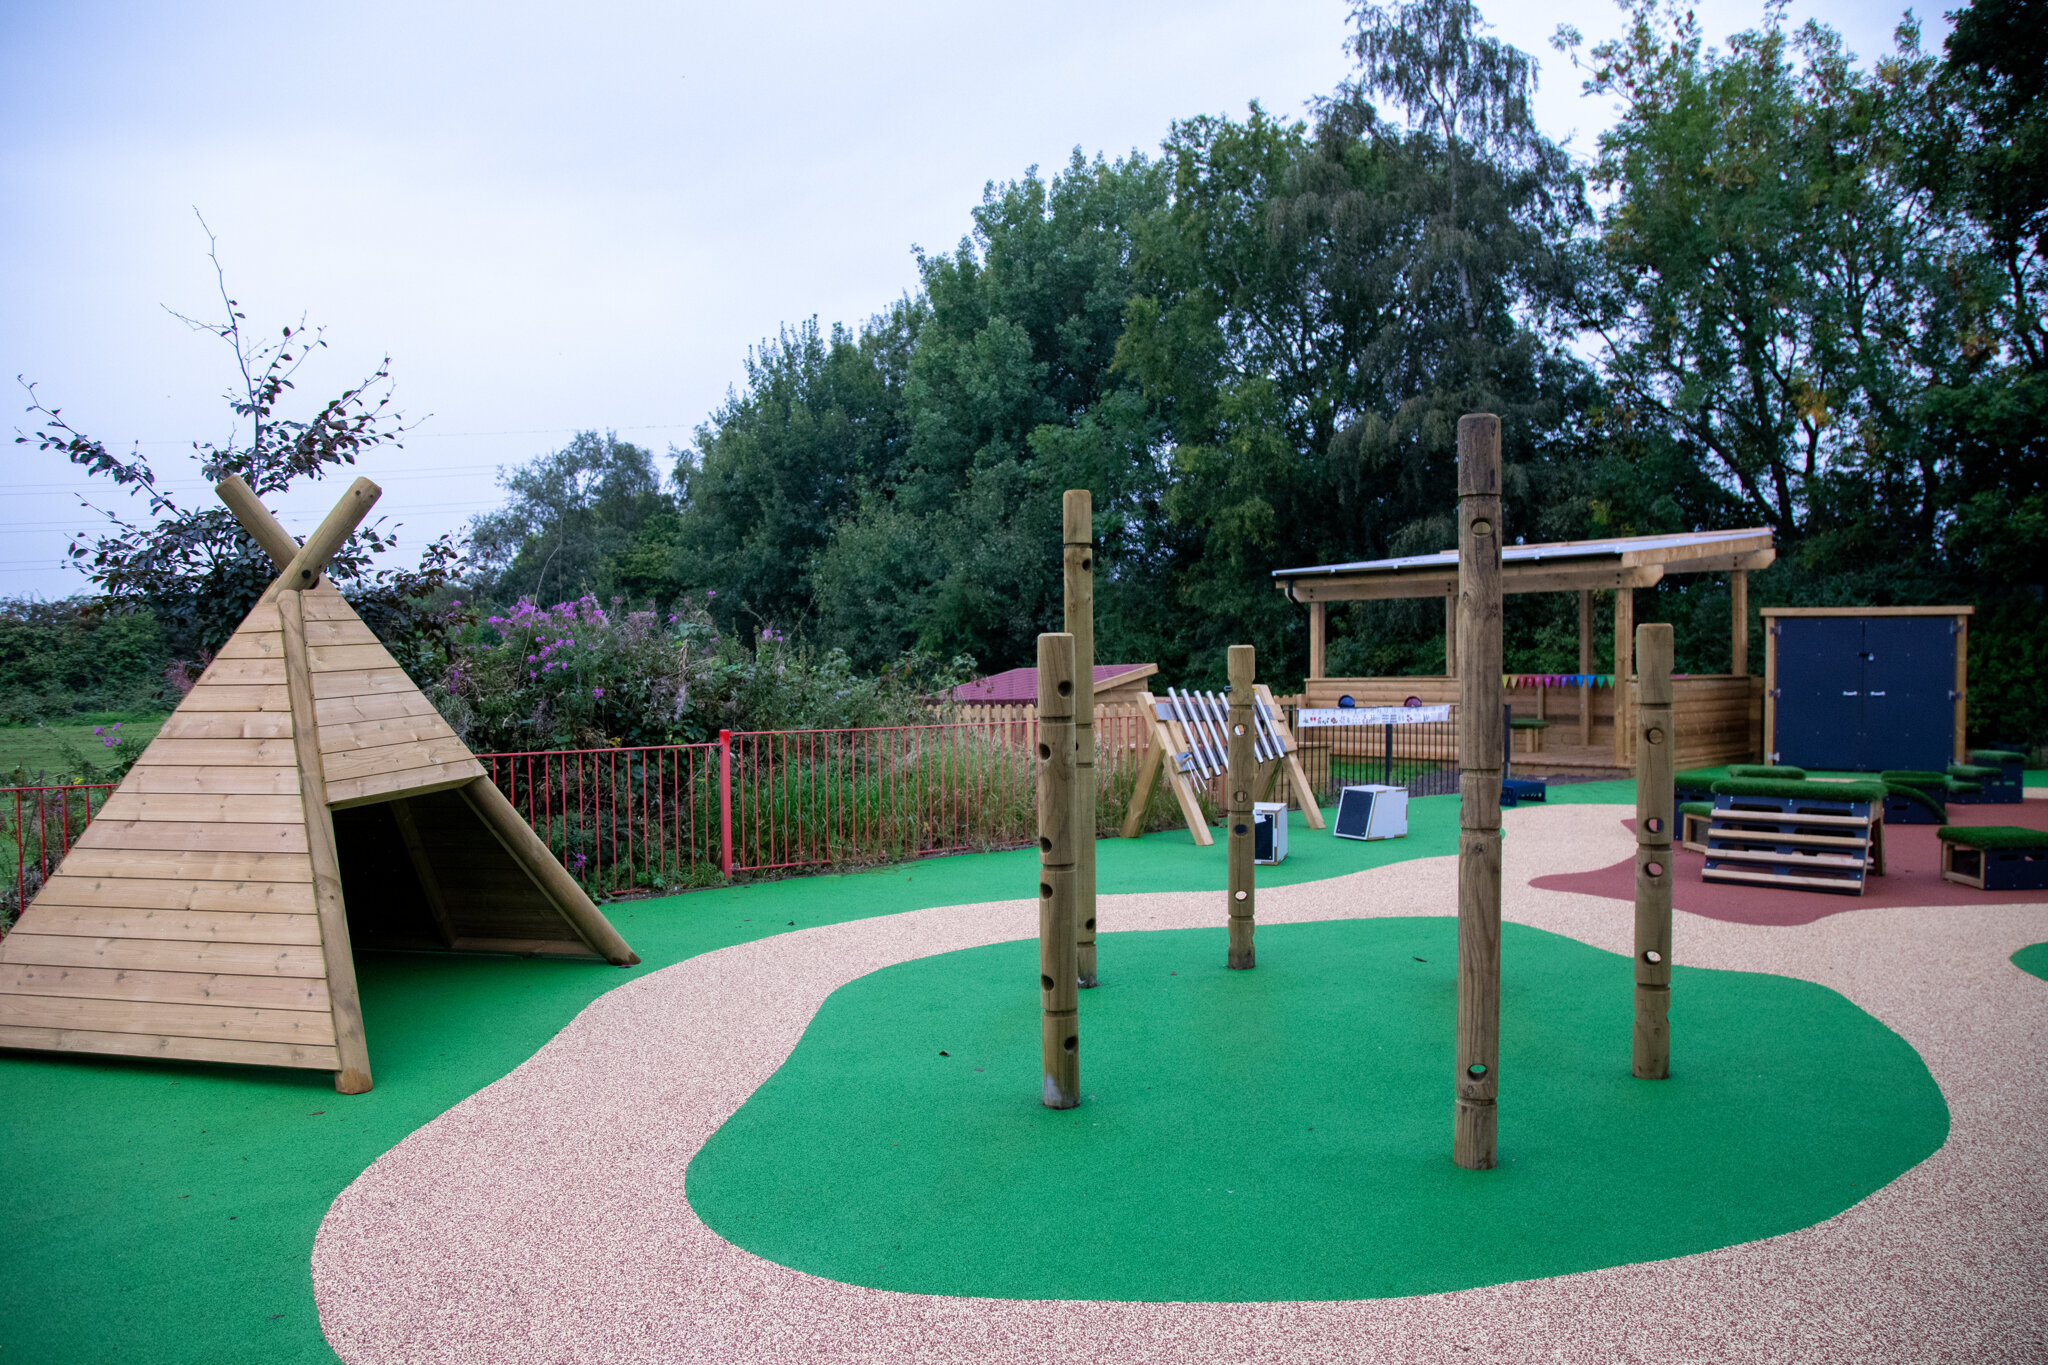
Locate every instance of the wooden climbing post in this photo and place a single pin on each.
(1078, 554)
(1241, 767)
(1655, 740)
(1480, 744)
(1058, 996)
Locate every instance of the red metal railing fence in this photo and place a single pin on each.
(754, 801)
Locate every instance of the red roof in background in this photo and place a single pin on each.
(1018, 686)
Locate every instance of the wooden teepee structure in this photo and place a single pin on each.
(305, 792)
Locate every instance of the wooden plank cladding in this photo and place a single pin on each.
(202, 916)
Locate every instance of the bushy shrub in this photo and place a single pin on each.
(586, 674)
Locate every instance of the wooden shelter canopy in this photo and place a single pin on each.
(1560, 566)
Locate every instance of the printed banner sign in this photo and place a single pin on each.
(1311, 716)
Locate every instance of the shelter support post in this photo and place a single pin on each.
(1451, 635)
(1077, 517)
(1585, 667)
(1738, 611)
(1624, 671)
(1480, 760)
(1656, 740)
(1962, 688)
(1318, 638)
(1242, 767)
(1059, 1033)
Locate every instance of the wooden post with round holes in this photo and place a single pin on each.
(1655, 740)
(1241, 766)
(1479, 763)
(1058, 996)
(1077, 518)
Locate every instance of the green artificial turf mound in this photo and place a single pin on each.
(2033, 959)
(1993, 836)
(1284, 1133)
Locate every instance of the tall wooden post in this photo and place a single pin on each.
(1058, 996)
(1242, 766)
(1318, 637)
(1624, 669)
(1738, 634)
(1585, 667)
(1655, 742)
(1077, 516)
(1479, 761)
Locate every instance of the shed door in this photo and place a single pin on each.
(1820, 691)
(1909, 665)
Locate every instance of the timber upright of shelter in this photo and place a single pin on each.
(1058, 991)
(1480, 754)
(1654, 776)
(1077, 517)
(304, 799)
(1241, 771)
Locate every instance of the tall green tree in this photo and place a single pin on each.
(570, 517)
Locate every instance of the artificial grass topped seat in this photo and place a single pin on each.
(1771, 772)
(1996, 758)
(1919, 796)
(1925, 780)
(1969, 772)
(1813, 791)
(1529, 723)
(1696, 808)
(1992, 836)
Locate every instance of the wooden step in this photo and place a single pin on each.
(1783, 879)
(1757, 836)
(1746, 855)
(1781, 817)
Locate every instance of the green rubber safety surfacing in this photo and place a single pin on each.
(1284, 1133)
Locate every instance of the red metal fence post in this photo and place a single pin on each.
(725, 803)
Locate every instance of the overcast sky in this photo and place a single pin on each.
(553, 217)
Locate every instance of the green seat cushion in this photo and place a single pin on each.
(1827, 791)
(1993, 836)
(1777, 772)
(1696, 808)
(1696, 777)
(1971, 773)
(1913, 777)
(1996, 758)
(1529, 723)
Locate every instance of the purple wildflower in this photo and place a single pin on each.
(597, 692)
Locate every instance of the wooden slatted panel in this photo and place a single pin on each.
(176, 988)
(488, 895)
(174, 865)
(305, 1027)
(218, 926)
(153, 893)
(233, 809)
(362, 791)
(164, 955)
(236, 781)
(237, 1051)
(227, 725)
(384, 706)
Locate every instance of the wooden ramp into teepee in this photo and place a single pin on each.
(304, 797)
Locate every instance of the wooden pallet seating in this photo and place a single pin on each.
(1800, 835)
(1994, 857)
(304, 798)
(1188, 742)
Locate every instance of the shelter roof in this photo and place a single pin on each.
(1558, 566)
(1019, 686)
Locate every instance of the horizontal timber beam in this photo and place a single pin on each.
(1532, 579)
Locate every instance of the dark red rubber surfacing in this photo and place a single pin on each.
(1912, 876)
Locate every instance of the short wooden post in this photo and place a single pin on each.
(1058, 993)
(1655, 741)
(1480, 763)
(1242, 767)
(1078, 521)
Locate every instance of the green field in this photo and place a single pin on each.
(54, 751)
